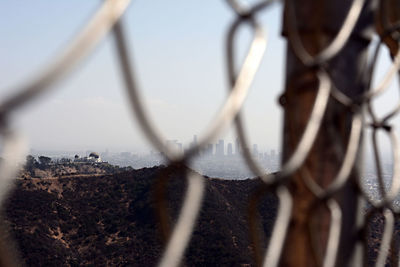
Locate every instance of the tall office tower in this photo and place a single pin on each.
(237, 147)
(229, 149)
(210, 149)
(255, 151)
(194, 142)
(220, 148)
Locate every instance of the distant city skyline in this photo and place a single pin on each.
(220, 148)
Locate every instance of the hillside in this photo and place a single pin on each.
(110, 219)
(69, 169)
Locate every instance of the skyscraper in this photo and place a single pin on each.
(194, 142)
(220, 147)
(237, 147)
(229, 149)
(210, 149)
(255, 151)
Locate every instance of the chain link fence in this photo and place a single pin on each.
(312, 52)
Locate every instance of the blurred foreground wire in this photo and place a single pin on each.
(313, 53)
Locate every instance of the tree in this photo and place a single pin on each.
(44, 160)
(31, 162)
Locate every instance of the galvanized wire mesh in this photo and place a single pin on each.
(108, 20)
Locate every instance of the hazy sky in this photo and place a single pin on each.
(178, 50)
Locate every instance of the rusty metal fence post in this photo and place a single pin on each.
(316, 24)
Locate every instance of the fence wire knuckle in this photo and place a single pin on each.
(108, 20)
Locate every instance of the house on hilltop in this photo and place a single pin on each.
(93, 157)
